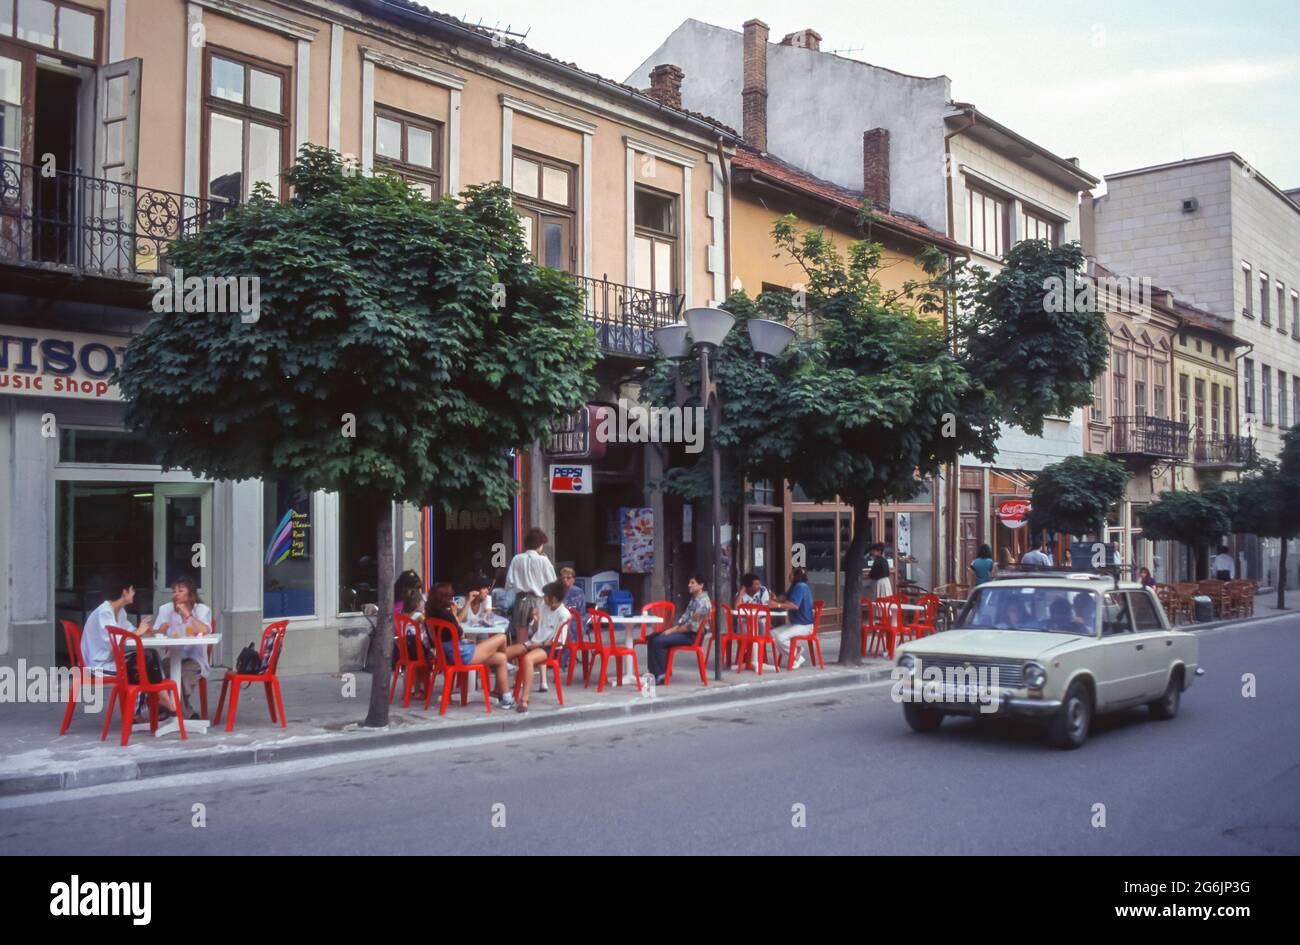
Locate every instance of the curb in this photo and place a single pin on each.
(18, 783)
(1215, 624)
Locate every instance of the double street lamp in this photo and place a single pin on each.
(704, 330)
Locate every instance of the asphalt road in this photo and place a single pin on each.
(1222, 778)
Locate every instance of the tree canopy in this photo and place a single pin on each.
(1075, 494)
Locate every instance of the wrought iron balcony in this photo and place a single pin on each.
(91, 224)
(1147, 438)
(1223, 452)
(625, 317)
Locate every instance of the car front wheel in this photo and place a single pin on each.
(922, 719)
(1069, 728)
(1166, 707)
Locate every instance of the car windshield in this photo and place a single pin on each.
(1049, 609)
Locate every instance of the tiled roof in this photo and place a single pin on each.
(781, 172)
(506, 41)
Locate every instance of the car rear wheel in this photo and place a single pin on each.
(920, 718)
(1069, 728)
(1166, 707)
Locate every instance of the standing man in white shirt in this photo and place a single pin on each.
(1223, 566)
(529, 573)
(1037, 557)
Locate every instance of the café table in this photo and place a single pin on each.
(778, 615)
(495, 625)
(629, 624)
(157, 641)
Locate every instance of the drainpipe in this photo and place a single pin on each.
(726, 221)
(954, 512)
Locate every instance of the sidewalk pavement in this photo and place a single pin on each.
(322, 720)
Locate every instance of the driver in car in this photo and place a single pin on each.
(1085, 612)
(1059, 615)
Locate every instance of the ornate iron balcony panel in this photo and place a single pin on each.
(1148, 437)
(625, 317)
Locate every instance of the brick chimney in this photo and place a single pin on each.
(804, 39)
(666, 84)
(753, 94)
(875, 166)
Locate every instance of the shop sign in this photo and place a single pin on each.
(1014, 513)
(574, 436)
(42, 363)
(571, 480)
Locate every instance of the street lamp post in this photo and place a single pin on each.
(705, 329)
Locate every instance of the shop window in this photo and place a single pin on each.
(816, 532)
(288, 573)
(102, 529)
(107, 447)
(358, 566)
(763, 492)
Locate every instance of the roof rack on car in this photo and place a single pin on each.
(1110, 572)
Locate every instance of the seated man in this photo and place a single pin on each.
(491, 651)
(799, 601)
(551, 618)
(752, 591)
(1059, 615)
(661, 638)
(97, 651)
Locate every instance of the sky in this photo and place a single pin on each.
(1117, 84)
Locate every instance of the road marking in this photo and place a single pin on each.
(224, 776)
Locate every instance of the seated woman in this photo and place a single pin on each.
(491, 651)
(478, 609)
(550, 620)
(186, 615)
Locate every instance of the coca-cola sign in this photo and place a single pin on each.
(1013, 513)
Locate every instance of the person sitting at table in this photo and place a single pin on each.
(551, 618)
(661, 638)
(408, 593)
(97, 651)
(799, 601)
(752, 591)
(186, 615)
(477, 610)
(491, 651)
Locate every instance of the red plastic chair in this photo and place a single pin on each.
(755, 630)
(664, 609)
(416, 665)
(72, 635)
(882, 633)
(728, 638)
(810, 638)
(125, 691)
(697, 648)
(552, 661)
(922, 622)
(272, 643)
(610, 648)
(440, 631)
(203, 680)
(580, 647)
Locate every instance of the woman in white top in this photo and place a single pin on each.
(187, 616)
(478, 609)
(549, 622)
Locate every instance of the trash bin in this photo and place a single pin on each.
(620, 603)
(1202, 609)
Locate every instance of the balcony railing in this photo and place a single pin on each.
(92, 224)
(1151, 437)
(1223, 452)
(625, 317)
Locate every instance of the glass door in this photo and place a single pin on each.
(182, 544)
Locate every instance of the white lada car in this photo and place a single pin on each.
(1059, 648)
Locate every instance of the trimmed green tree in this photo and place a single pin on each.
(1075, 494)
(875, 393)
(401, 348)
(1267, 503)
(1195, 519)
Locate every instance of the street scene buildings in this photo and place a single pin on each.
(129, 125)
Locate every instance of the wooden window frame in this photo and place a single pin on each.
(96, 57)
(243, 112)
(1003, 232)
(673, 239)
(1041, 221)
(538, 207)
(402, 167)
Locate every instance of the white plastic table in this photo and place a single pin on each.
(496, 625)
(157, 641)
(629, 623)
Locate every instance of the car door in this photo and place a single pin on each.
(1123, 671)
(1155, 644)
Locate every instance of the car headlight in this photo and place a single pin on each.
(907, 662)
(1035, 676)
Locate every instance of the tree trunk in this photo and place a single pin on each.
(1281, 578)
(381, 640)
(851, 610)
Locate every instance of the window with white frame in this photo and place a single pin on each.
(1248, 373)
(1159, 407)
(1265, 315)
(987, 220)
(1035, 226)
(1266, 392)
(1281, 398)
(1248, 281)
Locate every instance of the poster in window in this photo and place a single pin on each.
(288, 578)
(638, 540)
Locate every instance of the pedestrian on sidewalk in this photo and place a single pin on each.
(983, 566)
(529, 572)
(799, 602)
(1038, 556)
(661, 639)
(1223, 566)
